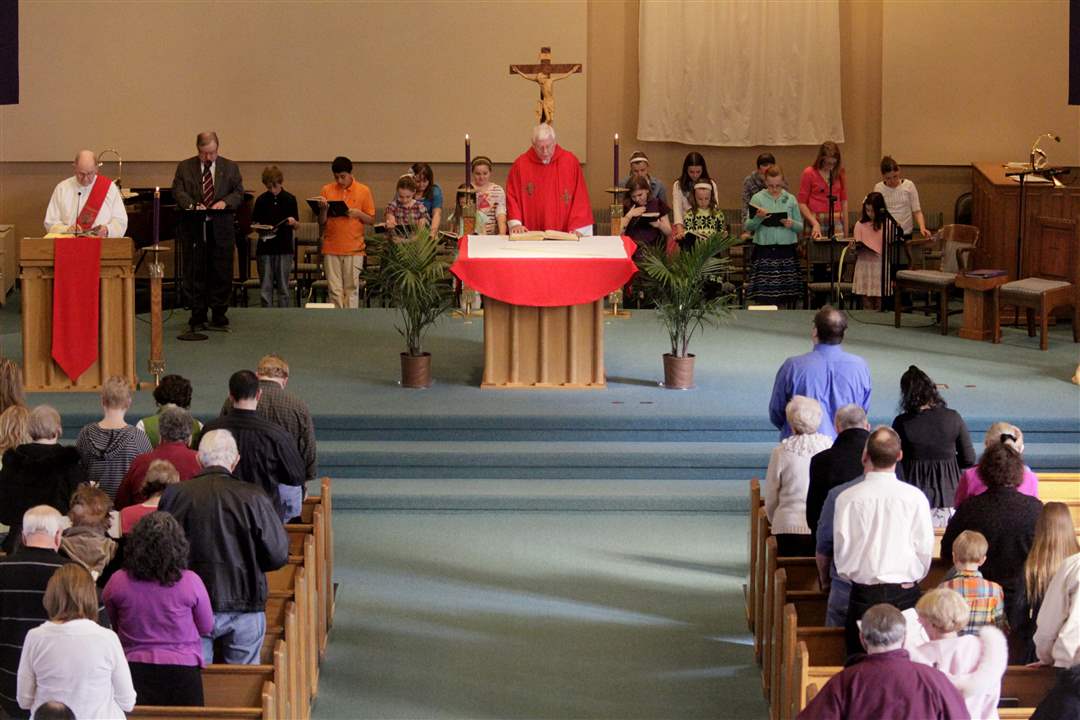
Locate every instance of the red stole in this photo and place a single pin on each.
(548, 197)
(90, 210)
(75, 309)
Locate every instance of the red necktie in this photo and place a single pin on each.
(207, 187)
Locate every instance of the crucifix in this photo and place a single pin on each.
(545, 74)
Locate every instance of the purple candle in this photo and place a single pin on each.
(157, 212)
(615, 181)
(468, 160)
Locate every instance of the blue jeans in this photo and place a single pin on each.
(242, 635)
(839, 597)
(274, 273)
(290, 501)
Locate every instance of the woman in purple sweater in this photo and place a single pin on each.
(159, 609)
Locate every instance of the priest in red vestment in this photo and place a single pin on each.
(546, 189)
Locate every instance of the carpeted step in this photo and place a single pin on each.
(490, 494)
(587, 460)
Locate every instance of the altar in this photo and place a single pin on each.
(544, 306)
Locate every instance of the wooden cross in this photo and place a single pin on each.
(544, 74)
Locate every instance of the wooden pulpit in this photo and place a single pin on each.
(116, 332)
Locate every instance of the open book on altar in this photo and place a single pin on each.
(543, 235)
(508, 247)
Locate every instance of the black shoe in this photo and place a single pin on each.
(197, 322)
(219, 321)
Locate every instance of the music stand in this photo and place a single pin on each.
(202, 216)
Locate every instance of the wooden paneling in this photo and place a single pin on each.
(116, 337)
(543, 346)
(996, 214)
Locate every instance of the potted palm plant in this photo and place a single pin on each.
(413, 277)
(686, 289)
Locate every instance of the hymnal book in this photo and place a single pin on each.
(268, 228)
(774, 219)
(986, 273)
(650, 215)
(544, 235)
(335, 208)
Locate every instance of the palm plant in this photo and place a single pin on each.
(677, 284)
(414, 279)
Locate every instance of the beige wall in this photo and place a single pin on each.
(611, 104)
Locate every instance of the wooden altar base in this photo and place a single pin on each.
(543, 347)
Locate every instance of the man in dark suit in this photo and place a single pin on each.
(840, 463)
(207, 181)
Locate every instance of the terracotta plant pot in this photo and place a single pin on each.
(415, 370)
(678, 372)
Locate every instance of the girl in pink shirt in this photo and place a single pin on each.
(971, 484)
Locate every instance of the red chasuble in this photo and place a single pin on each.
(548, 197)
(93, 204)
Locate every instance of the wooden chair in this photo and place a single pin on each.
(1044, 291)
(307, 267)
(958, 242)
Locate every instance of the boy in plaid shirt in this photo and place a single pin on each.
(984, 597)
(405, 209)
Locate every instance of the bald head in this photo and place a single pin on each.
(85, 165)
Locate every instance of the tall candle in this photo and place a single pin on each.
(468, 159)
(157, 212)
(615, 181)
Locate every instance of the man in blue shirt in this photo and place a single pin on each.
(828, 374)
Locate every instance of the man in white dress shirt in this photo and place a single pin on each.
(86, 202)
(883, 538)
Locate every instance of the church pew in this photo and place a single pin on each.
(230, 691)
(1027, 686)
(312, 509)
(752, 551)
(758, 582)
(1062, 487)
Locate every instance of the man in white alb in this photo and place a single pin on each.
(86, 202)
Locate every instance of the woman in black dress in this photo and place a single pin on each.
(935, 443)
(1007, 518)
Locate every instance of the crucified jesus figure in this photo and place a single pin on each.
(545, 74)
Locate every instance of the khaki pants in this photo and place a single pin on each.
(341, 278)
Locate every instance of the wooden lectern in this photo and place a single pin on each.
(116, 334)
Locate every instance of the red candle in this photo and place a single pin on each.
(468, 160)
(615, 181)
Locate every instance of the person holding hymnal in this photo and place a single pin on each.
(405, 213)
(868, 241)
(273, 218)
(644, 218)
(775, 276)
(703, 218)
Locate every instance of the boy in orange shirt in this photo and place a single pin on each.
(343, 237)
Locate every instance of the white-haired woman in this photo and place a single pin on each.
(788, 477)
(971, 484)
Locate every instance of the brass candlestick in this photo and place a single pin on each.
(616, 297)
(156, 363)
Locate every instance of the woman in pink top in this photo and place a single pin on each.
(160, 475)
(814, 191)
(974, 664)
(159, 610)
(971, 484)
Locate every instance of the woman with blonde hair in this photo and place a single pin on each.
(14, 428)
(108, 446)
(971, 483)
(11, 384)
(974, 664)
(1055, 540)
(72, 659)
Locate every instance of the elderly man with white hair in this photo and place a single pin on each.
(86, 202)
(788, 478)
(236, 537)
(23, 577)
(546, 189)
(885, 683)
